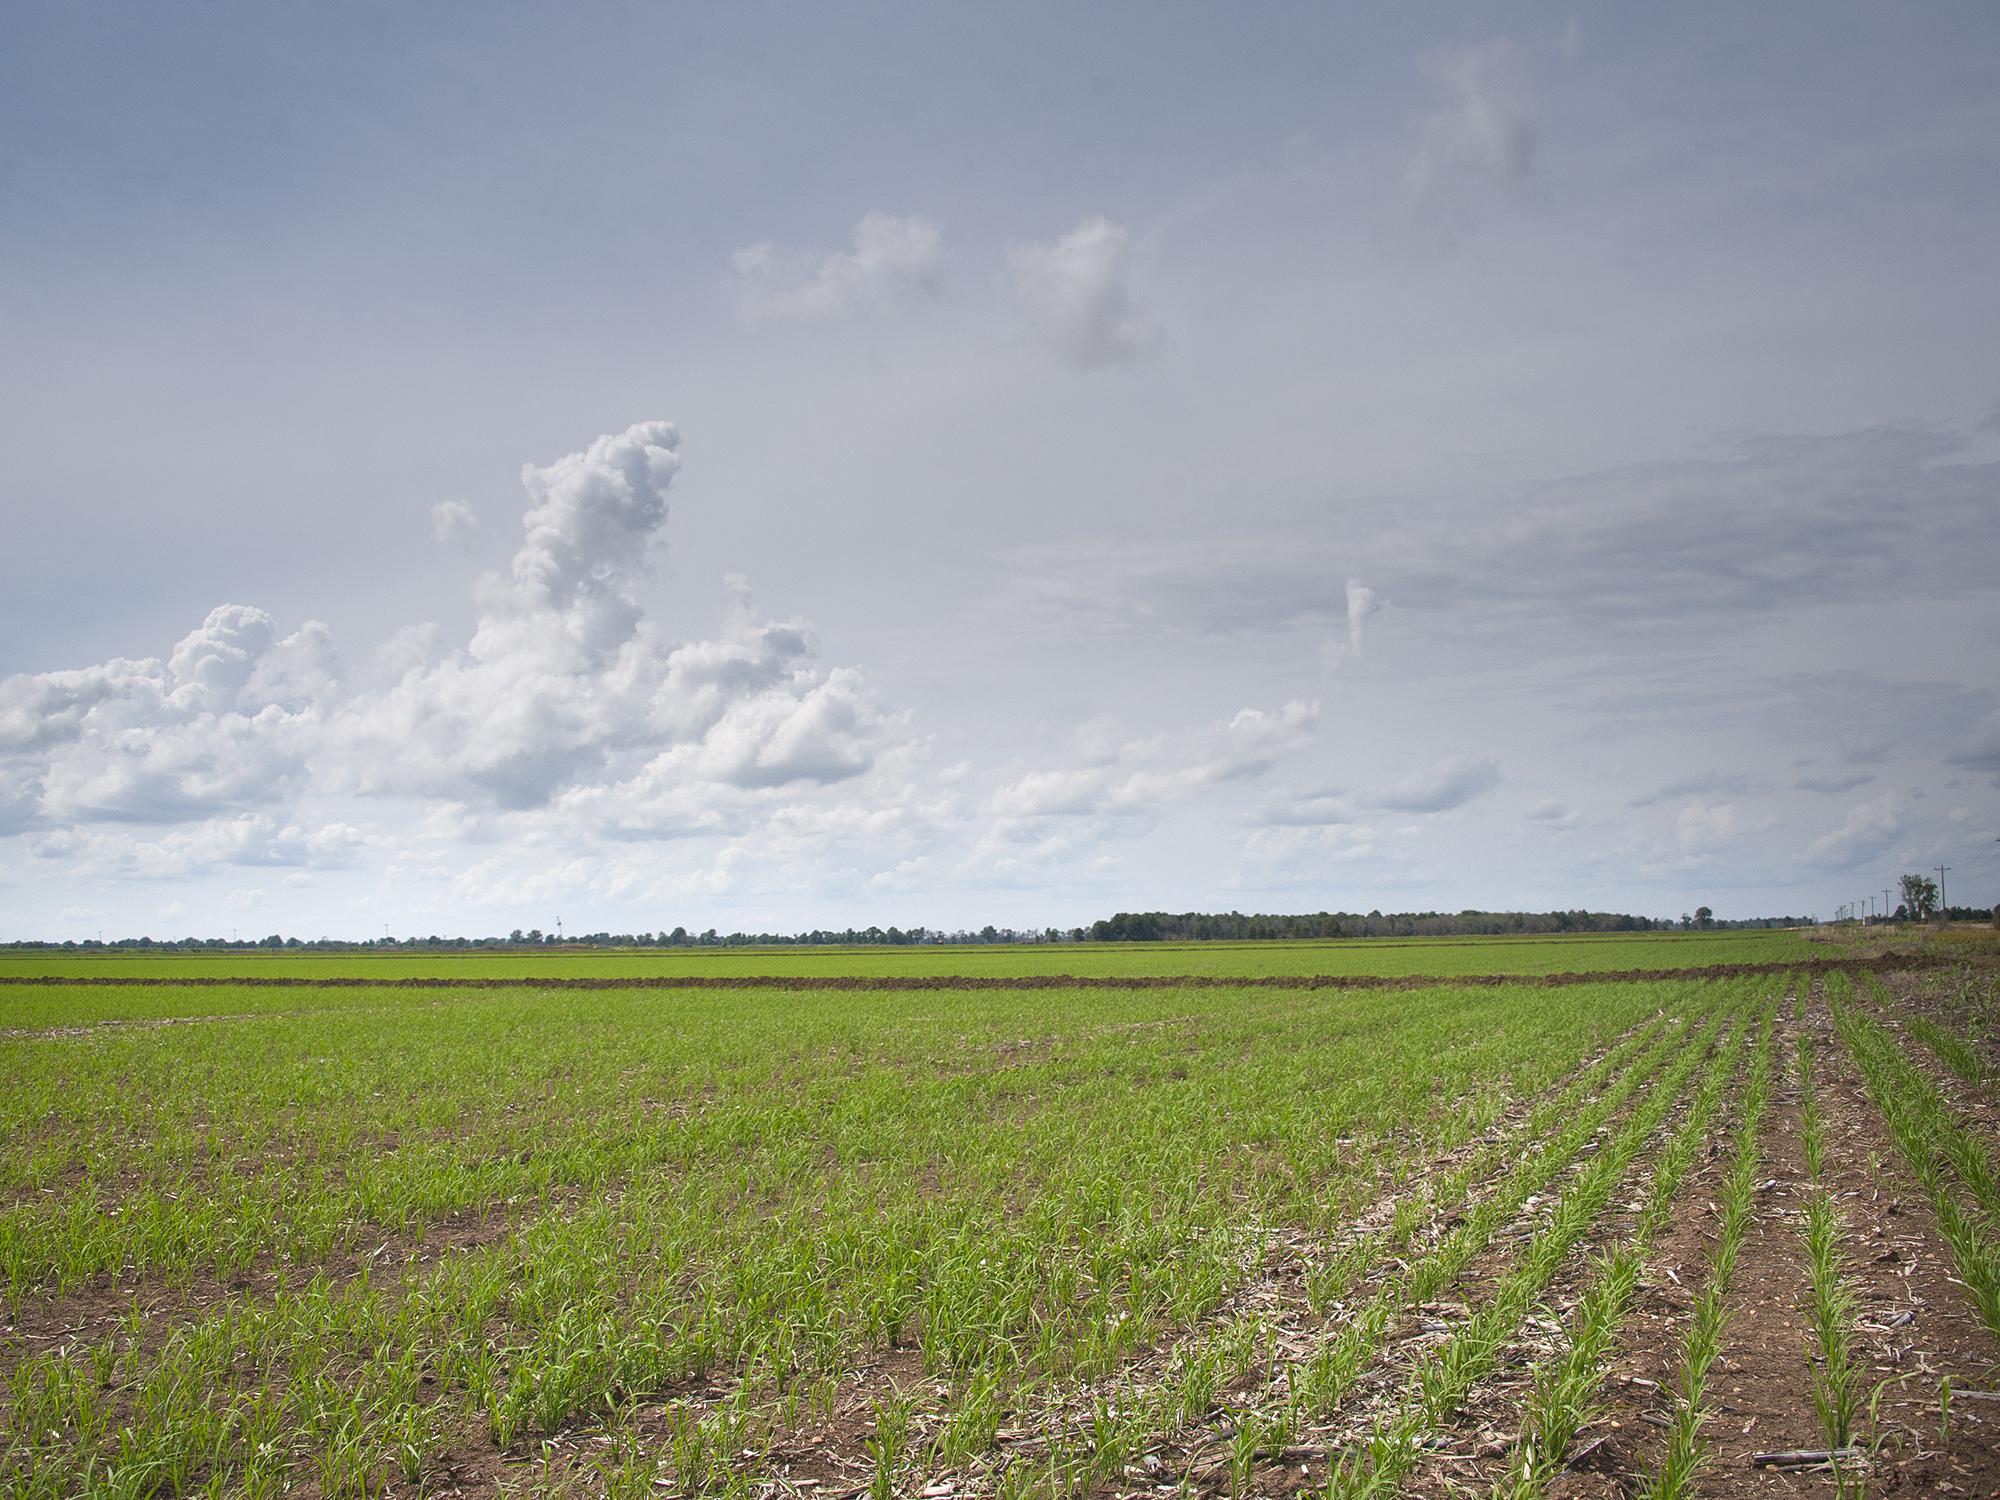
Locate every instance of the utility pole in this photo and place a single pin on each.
(1943, 905)
(1885, 903)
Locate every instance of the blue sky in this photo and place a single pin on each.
(1126, 457)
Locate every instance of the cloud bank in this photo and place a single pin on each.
(564, 690)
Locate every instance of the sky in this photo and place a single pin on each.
(769, 468)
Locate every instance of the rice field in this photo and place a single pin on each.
(1732, 1227)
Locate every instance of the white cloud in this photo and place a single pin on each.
(1866, 833)
(1703, 828)
(1076, 295)
(564, 684)
(454, 522)
(256, 840)
(1484, 124)
(1142, 776)
(1362, 602)
(226, 723)
(892, 261)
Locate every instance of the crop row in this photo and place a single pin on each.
(1951, 1162)
(812, 1184)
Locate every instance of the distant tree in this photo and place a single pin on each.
(1703, 917)
(1920, 897)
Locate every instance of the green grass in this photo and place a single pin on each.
(1567, 1392)
(333, 1238)
(1538, 954)
(1839, 1379)
(1686, 1451)
(1951, 1162)
(382, 1226)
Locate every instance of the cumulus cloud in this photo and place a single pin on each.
(1483, 124)
(227, 722)
(1075, 293)
(565, 683)
(563, 687)
(892, 261)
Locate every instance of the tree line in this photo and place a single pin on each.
(1124, 927)
(1235, 926)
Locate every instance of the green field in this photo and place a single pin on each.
(764, 1241)
(1392, 956)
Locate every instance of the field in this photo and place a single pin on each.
(1567, 1217)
